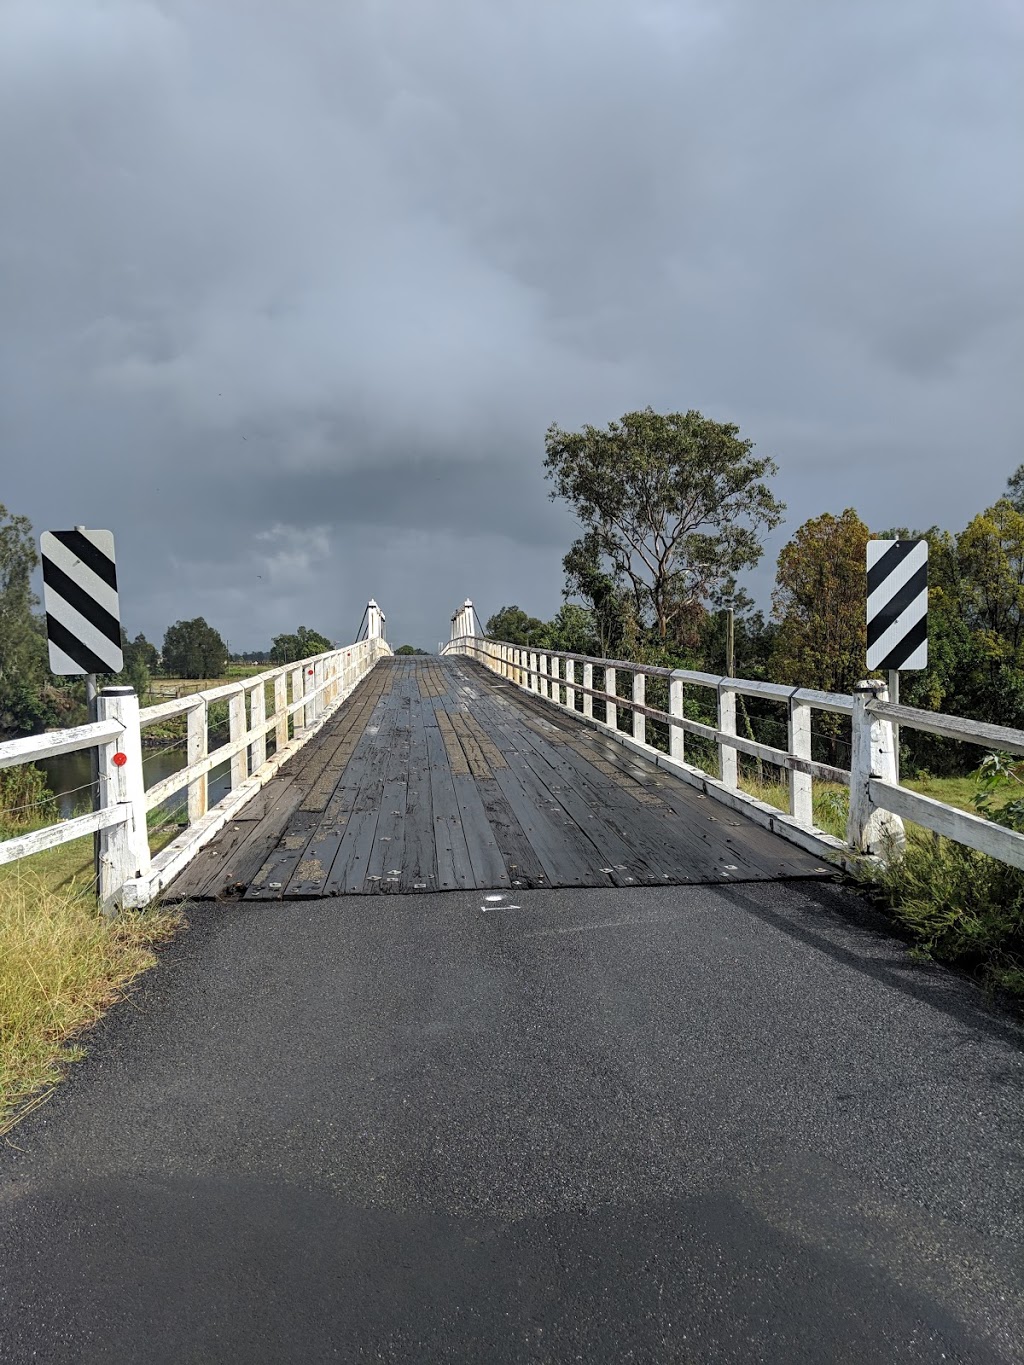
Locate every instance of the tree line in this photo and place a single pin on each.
(672, 508)
(34, 699)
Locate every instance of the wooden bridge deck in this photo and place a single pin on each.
(436, 774)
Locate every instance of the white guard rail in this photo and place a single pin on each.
(128, 875)
(878, 803)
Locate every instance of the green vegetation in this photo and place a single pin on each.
(193, 649)
(643, 584)
(61, 966)
(671, 506)
(287, 648)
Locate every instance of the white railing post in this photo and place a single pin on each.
(801, 805)
(870, 829)
(318, 696)
(570, 679)
(639, 696)
(281, 709)
(531, 676)
(124, 848)
(727, 725)
(308, 713)
(257, 715)
(545, 675)
(611, 710)
(520, 670)
(237, 731)
(197, 748)
(588, 682)
(676, 734)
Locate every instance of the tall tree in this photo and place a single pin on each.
(286, 649)
(675, 503)
(819, 602)
(193, 649)
(1015, 488)
(514, 627)
(29, 698)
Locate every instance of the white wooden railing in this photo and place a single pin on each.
(878, 802)
(128, 875)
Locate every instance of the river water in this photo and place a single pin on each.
(68, 777)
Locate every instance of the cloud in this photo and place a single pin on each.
(302, 286)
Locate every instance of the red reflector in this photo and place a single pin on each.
(310, 671)
(119, 760)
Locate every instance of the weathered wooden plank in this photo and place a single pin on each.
(348, 871)
(269, 881)
(565, 862)
(523, 866)
(345, 834)
(485, 855)
(627, 857)
(419, 861)
(454, 867)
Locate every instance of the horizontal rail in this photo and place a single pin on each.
(24, 845)
(959, 825)
(876, 797)
(27, 750)
(318, 685)
(165, 710)
(1000, 737)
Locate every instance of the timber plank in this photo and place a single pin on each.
(344, 818)
(521, 862)
(268, 882)
(453, 862)
(621, 861)
(347, 872)
(419, 861)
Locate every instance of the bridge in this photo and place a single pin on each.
(505, 1030)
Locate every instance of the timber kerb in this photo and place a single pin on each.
(878, 801)
(128, 875)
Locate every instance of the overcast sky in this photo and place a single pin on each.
(290, 292)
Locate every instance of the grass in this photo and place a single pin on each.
(958, 906)
(62, 965)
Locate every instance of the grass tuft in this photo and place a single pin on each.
(62, 965)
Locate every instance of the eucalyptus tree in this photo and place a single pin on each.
(675, 504)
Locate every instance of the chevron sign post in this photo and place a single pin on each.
(83, 624)
(897, 612)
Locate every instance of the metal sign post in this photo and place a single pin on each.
(897, 612)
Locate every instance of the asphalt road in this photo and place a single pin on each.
(700, 1124)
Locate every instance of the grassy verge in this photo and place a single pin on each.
(959, 906)
(62, 965)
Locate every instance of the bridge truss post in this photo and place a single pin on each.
(676, 703)
(318, 680)
(639, 719)
(257, 715)
(236, 733)
(297, 719)
(727, 767)
(196, 748)
(124, 848)
(870, 829)
(281, 709)
(800, 800)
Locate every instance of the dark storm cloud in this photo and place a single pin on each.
(290, 293)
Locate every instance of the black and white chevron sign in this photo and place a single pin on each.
(80, 596)
(897, 604)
